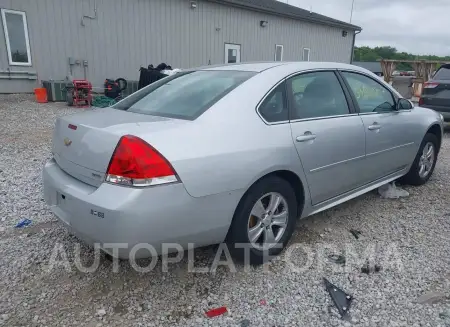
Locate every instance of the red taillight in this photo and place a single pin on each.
(136, 163)
(430, 85)
(421, 101)
(74, 127)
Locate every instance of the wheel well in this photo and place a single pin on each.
(296, 184)
(436, 130)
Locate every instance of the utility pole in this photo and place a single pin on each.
(351, 12)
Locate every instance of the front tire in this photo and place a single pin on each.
(263, 222)
(424, 163)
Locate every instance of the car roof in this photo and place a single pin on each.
(247, 66)
(295, 66)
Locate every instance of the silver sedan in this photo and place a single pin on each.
(234, 154)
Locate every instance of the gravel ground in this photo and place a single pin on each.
(409, 236)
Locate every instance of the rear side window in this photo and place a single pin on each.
(184, 95)
(442, 73)
(315, 95)
(274, 107)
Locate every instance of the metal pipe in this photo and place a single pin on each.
(351, 12)
(19, 77)
(90, 17)
(353, 46)
(17, 72)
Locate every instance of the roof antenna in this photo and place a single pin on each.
(351, 12)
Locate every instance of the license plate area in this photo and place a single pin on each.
(60, 199)
(61, 208)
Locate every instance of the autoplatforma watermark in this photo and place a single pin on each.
(298, 257)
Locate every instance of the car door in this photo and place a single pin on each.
(389, 130)
(327, 133)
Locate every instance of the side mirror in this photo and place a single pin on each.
(404, 104)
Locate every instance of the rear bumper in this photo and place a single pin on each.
(130, 216)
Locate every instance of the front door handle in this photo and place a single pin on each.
(374, 127)
(308, 136)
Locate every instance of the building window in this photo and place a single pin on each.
(232, 53)
(16, 36)
(306, 54)
(278, 52)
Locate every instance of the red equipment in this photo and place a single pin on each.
(79, 93)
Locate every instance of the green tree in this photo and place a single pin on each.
(387, 52)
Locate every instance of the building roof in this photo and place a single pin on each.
(373, 66)
(286, 10)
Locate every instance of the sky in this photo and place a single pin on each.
(414, 26)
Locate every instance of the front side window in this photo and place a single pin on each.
(317, 95)
(185, 95)
(274, 107)
(370, 95)
(16, 36)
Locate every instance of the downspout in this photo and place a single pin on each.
(353, 46)
(90, 17)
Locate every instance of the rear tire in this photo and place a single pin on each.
(423, 165)
(275, 223)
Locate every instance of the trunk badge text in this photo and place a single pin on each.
(97, 213)
(67, 141)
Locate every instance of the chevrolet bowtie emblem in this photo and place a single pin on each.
(67, 141)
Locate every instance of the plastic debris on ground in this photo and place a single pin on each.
(391, 191)
(216, 312)
(368, 269)
(263, 302)
(341, 300)
(170, 72)
(432, 298)
(355, 233)
(445, 315)
(23, 223)
(339, 259)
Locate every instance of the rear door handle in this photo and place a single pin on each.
(374, 127)
(308, 136)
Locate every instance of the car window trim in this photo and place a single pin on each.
(354, 108)
(351, 108)
(264, 98)
(355, 101)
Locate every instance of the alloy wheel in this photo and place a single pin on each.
(426, 160)
(268, 221)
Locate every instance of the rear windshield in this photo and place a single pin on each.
(442, 73)
(185, 95)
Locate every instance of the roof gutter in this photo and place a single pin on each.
(353, 45)
(308, 19)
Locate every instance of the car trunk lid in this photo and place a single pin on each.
(84, 143)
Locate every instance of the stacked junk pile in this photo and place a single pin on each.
(113, 88)
(150, 74)
(80, 92)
